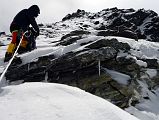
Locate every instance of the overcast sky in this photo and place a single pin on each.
(55, 10)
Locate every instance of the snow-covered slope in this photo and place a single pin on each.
(46, 101)
(41, 101)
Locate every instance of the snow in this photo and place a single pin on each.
(2, 53)
(119, 77)
(141, 49)
(141, 63)
(151, 72)
(142, 115)
(142, 27)
(49, 101)
(30, 56)
(147, 109)
(28, 106)
(57, 51)
(44, 101)
(150, 105)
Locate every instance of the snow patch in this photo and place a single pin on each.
(119, 77)
(48, 101)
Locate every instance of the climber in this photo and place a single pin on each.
(19, 26)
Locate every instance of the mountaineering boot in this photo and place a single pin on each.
(16, 61)
(10, 52)
(8, 56)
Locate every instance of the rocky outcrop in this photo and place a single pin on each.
(2, 33)
(136, 24)
(81, 69)
(31, 72)
(72, 37)
(79, 13)
(111, 43)
(121, 32)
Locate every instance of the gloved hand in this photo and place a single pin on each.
(35, 33)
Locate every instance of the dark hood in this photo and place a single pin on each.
(34, 11)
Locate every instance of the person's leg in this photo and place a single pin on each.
(24, 42)
(23, 45)
(11, 46)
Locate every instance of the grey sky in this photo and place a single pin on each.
(55, 10)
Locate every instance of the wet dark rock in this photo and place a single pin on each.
(109, 43)
(2, 33)
(69, 40)
(151, 63)
(125, 61)
(120, 33)
(75, 33)
(79, 13)
(139, 22)
(34, 71)
(96, 22)
(40, 25)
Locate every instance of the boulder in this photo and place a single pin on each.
(114, 43)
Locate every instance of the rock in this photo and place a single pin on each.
(79, 13)
(124, 33)
(77, 33)
(104, 86)
(96, 22)
(109, 43)
(2, 33)
(34, 71)
(151, 63)
(125, 61)
(69, 40)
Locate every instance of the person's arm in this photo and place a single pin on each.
(32, 21)
(34, 25)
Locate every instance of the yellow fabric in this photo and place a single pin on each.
(11, 48)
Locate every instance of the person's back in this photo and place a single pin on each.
(19, 25)
(21, 20)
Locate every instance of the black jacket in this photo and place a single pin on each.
(23, 19)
